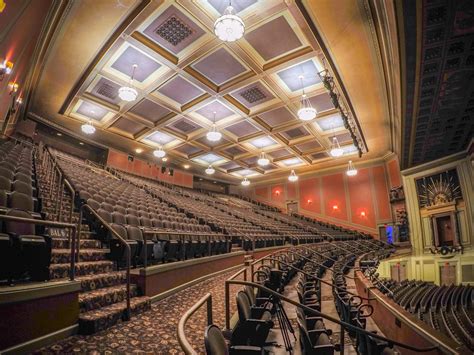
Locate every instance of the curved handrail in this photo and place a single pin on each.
(329, 318)
(119, 238)
(319, 264)
(183, 341)
(41, 222)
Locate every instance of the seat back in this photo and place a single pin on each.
(19, 228)
(21, 201)
(214, 341)
(243, 307)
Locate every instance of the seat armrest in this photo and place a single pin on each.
(245, 349)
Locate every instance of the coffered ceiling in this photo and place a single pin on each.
(187, 78)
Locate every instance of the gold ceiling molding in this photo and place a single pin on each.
(154, 47)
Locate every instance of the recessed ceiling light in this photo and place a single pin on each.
(81, 143)
(139, 150)
(200, 179)
(186, 166)
(59, 134)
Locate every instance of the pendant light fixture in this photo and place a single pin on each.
(351, 170)
(88, 128)
(210, 170)
(245, 182)
(213, 135)
(293, 177)
(128, 93)
(229, 27)
(263, 160)
(306, 112)
(336, 150)
(159, 153)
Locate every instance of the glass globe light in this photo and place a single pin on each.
(351, 170)
(213, 135)
(229, 27)
(88, 128)
(159, 153)
(336, 150)
(127, 93)
(306, 112)
(245, 182)
(263, 160)
(293, 177)
(210, 170)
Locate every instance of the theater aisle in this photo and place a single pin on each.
(153, 331)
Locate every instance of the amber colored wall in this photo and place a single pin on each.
(360, 202)
(143, 168)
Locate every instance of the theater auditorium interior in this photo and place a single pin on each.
(236, 177)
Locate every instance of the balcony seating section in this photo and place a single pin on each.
(448, 309)
(25, 250)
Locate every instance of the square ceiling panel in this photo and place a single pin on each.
(308, 146)
(230, 165)
(187, 149)
(280, 153)
(160, 138)
(253, 95)
(349, 149)
(291, 75)
(180, 90)
(91, 110)
(210, 159)
(320, 155)
(219, 66)
(273, 39)
(150, 110)
(322, 102)
(328, 123)
(221, 111)
(250, 161)
(295, 133)
(263, 142)
(277, 117)
(342, 138)
(130, 56)
(235, 151)
(128, 126)
(184, 126)
(291, 162)
(173, 30)
(106, 90)
(242, 129)
(240, 5)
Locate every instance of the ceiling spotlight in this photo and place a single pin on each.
(139, 150)
(88, 128)
(351, 170)
(336, 150)
(245, 182)
(159, 153)
(59, 134)
(293, 177)
(81, 143)
(210, 170)
(186, 166)
(306, 112)
(128, 93)
(263, 160)
(213, 135)
(165, 159)
(229, 27)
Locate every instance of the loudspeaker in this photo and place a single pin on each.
(163, 169)
(171, 172)
(130, 158)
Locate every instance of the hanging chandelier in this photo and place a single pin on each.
(229, 27)
(210, 170)
(159, 153)
(213, 135)
(245, 182)
(351, 170)
(88, 128)
(128, 93)
(293, 177)
(336, 150)
(306, 112)
(263, 160)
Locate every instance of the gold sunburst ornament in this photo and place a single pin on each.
(439, 190)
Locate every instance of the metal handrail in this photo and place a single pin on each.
(329, 318)
(319, 264)
(41, 222)
(121, 240)
(183, 341)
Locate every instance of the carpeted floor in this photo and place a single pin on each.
(154, 332)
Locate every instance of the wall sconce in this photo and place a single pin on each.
(5, 68)
(363, 214)
(15, 104)
(13, 87)
(277, 192)
(335, 207)
(309, 201)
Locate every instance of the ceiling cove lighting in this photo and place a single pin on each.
(229, 27)
(336, 150)
(128, 93)
(159, 153)
(263, 160)
(213, 135)
(88, 128)
(293, 177)
(245, 182)
(306, 112)
(351, 170)
(210, 170)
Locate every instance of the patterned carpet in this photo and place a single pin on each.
(154, 331)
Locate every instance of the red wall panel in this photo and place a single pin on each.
(360, 194)
(394, 173)
(262, 192)
(278, 194)
(334, 195)
(291, 190)
(381, 192)
(310, 198)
